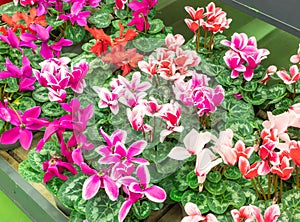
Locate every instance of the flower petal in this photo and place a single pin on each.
(90, 187)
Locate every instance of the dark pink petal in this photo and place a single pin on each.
(10, 136)
(155, 194)
(91, 187)
(141, 161)
(25, 138)
(33, 112)
(272, 213)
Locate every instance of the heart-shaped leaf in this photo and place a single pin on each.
(141, 209)
(276, 93)
(54, 184)
(215, 188)
(176, 195)
(80, 205)
(250, 195)
(192, 180)
(214, 177)
(36, 160)
(52, 109)
(100, 19)
(257, 97)
(232, 173)
(26, 103)
(71, 189)
(156, 25)
(200, 199)
(25, 170)
(101, 208)
(12, 85)
(40, 94)
(75, 33)
(76, 216)
(148, 44)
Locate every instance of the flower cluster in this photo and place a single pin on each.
(55, 75)
(173, 62)
(243, 56)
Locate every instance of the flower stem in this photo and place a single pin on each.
(280, 193)
(198, 39)
(275, 183)
(261, 188)
(205, 37)
(255, 187)
(269, 186)
(297, 176)
(211, 42)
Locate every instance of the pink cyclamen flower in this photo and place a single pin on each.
(192, 25)
(194, 214)
(137, 189)
(195, 14)
(55, 168)
(234, 62)
(76, 15)
(96, 180)
(173, 42)
(107, 99)
(296, 58)
(283, 169)
(136, 119)
(270, 71)
(79, 72)
(23, 125)
(291, 78)
(24, 74)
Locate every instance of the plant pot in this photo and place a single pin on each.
(7, 147)
(62, 207)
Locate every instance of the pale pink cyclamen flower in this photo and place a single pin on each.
(136, 119)
(252, 214)
(173, 42)
(291, 78)
(194, 214)
(296, 58)
(270, 71)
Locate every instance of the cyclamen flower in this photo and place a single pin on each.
(23, 125)
(55, 168)
(76, 15)
(291, 78)
(56, 76)
(24, 74)
(137, 189)
(296, 58)
(194, 214)
(107, 99)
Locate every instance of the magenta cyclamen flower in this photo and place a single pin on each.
(107, 99)
(76, 15)
(24, 74)
(243, 56)
(55, 168)
(23, 123)
(55, 75)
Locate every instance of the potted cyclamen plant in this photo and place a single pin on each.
(139, 118)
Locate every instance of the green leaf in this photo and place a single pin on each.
(290, 87)
(237, 108)
(12, 86)
(54, 184)
(156, 26)
(213, 70)
(216, 204)
(25, 170)
(214, 177)
(52, 21)
(285, 103)
(291, 199)
(250, 195)
(200, 199)
(232, 173)
(36, 160)
(240, 127)
(76, 217)
(71, 189)
(148, 44)
(40, 94)
(249, 86)
(80, 205)
(215, 188)
(141, 209)
(50, 148)
(192, 180)
(52, 109)
(158, 154)
(176, 195)
(101, 208)
(26, 103)
(257, 97)
(276, 93)
(10, 9)
(75, 33)
(100, 19)
(122, 14)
